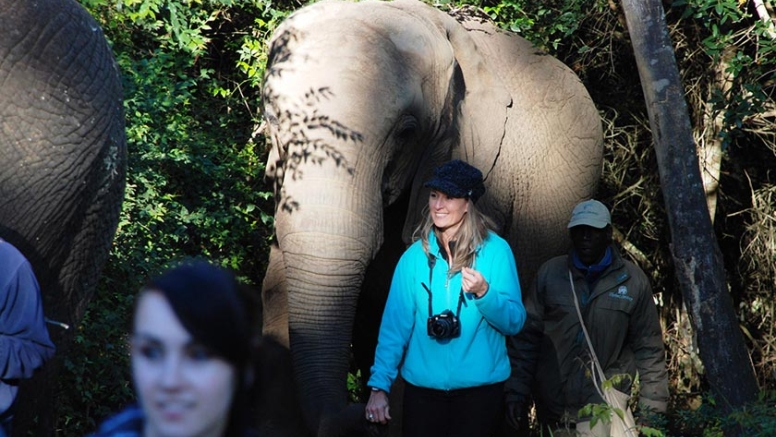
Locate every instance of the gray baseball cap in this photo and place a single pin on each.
(591, 213)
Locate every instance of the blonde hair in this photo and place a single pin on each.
(473, 231)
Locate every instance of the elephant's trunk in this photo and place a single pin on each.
(320, 322)
(322, 298)
(326, 245)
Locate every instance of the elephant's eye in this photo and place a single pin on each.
(407, 129)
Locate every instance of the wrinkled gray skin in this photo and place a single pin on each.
(362, 101)
(62, 166)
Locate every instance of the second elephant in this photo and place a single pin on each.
(362, 101)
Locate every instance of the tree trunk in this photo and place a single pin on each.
(697, 257)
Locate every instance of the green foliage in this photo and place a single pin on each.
(604, 412)
(758, 419)
(355, 386)
(194, 184)
(733, 38)
(547, 24)
(253, 52)
(96, 369)
(755, 420)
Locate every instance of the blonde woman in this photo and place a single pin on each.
(454, 297)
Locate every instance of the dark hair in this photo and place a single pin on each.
(219, 313)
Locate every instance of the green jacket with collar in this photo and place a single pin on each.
(551, 359)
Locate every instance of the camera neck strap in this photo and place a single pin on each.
(431, 264)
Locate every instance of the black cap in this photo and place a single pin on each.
(458, 179)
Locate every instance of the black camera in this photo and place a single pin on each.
(444, 325)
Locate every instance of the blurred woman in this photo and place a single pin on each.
(191, 351)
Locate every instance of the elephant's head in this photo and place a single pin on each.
(362, 101)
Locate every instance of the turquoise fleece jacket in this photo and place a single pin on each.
(479, 355)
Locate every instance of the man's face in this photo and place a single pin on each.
(590, 243)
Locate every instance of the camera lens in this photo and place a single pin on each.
(440, 328)
(443, 326)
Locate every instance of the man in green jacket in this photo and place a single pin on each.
(551, 361)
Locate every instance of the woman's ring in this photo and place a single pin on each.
(371, 416)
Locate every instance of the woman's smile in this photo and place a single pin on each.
(447, 212)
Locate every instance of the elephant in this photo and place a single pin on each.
(362, 100)
(62, 167)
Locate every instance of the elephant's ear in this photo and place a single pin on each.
(483, 111)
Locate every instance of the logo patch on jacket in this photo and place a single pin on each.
(621, 293)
